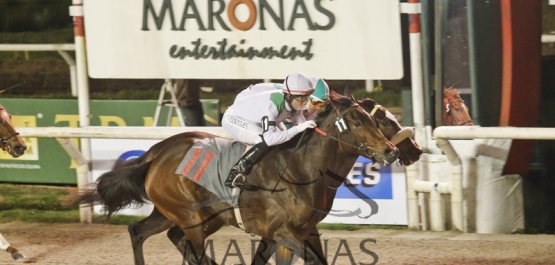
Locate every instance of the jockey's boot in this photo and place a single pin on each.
(236, 177)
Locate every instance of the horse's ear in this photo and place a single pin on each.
(353, 98)
(347, 92)
(456, 93)
(334, 97)
(333, 94)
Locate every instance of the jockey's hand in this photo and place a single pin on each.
(305, 125)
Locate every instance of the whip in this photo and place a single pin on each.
(14, 86)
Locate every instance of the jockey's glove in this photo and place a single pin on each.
(305, 125)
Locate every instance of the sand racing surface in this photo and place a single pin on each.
(110, 244)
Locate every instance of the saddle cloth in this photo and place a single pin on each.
(208, 162)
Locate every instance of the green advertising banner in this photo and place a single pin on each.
(45, 161)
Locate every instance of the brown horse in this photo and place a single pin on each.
(409, 153)
(455, 112)
(322, 162)
(11, 142)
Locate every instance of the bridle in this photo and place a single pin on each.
(343, 128)
(450, 113)
(341, 124)
(4, 144)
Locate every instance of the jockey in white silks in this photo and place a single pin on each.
(255, 114)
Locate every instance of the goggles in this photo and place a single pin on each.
(315, 103)
(301, 98)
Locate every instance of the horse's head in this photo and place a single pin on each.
(358, 131)
(409, 151)
(455, 112)
(10, 141)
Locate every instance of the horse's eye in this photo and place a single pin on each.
(357, 124)
(384, 122)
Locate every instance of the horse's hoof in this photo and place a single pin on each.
(18, 256)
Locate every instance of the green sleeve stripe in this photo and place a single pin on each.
(279, 100)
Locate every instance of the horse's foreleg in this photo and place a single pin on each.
(284, 255)
(309, 248)
(16, 255)
(140, 231)
(314, 252)
(263, 252)
(4, 244)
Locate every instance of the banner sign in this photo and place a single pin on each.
(45, 161)
(370, 194)
(243, 39)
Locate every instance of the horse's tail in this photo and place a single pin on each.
(122, 186)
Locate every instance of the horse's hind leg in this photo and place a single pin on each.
(155, 223)
(194, 245)
(175, 234)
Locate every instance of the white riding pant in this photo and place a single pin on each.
(241, 130)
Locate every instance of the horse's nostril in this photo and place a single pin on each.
(387, 151)
(20, 149)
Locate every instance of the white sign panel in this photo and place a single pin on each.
(249, 39)
(373, 195)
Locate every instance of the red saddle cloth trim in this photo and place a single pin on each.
(192, 162)
(207, 158)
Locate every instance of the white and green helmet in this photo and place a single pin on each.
(321, 89)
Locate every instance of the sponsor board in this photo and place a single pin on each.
(45, 161)
(243, 39)
(370, 194)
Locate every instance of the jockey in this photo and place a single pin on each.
(317, 99)
(253, 117)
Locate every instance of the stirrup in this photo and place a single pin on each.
(239, 182)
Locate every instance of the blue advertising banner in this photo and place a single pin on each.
(370, 179)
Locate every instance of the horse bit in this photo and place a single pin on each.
(4, 142)
(447, 110)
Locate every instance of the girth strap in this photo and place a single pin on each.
(237, 211)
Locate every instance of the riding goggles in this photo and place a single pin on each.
(301, 98)
(315, 103)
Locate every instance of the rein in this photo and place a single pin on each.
(4, 141)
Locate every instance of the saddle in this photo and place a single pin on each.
(208, 163)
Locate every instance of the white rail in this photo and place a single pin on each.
(442, 134)
(115, 132)
(466, 132)
(548, 38)
(60, 48)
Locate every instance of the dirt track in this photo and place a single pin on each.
(109, 244)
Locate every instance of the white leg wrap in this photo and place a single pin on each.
(4, 244)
